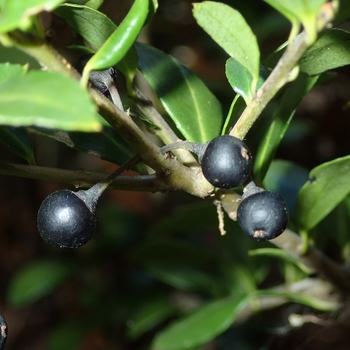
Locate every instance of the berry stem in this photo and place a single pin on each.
(194, 147)
(91, 196)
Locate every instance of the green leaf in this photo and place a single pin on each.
(107, 145)
(115, 48)
(149, 315)
(330, 51)
(95, 27)
(35, 281)
(212, 319)
(16, 13)
(9, 71)
(201, 326)
(194, 109)
(19, 141)
(236, 109)
(68, 335)
(281, 254)
(300, 11)
(280, 122)
(328, 186)
(32, 100)
(229, 29)
(298, 8)
(286, 178)
(240, 79)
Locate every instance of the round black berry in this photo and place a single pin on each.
(3, 331)
(263, 215)
(65, 220)
(226, 162)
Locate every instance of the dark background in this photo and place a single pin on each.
(319, 133)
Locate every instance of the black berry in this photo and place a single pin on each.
(226, 162)
(66, 220)
(263, 215)
(3, 331)
(102, 79)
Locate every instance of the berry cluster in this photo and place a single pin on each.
(67, 219)
(227, 163)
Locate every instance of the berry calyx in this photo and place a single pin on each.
(263, 215)
(65, 220)
(226, 162)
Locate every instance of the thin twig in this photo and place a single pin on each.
(315, 259)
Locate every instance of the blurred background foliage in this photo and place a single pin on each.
(157, 257)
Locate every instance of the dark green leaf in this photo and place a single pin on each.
(201, 326)
(328, 185)
(287, 179)
(214, 318)
(107, 145)
(95, 27)
(67, 336)
(280, 123)
(240, 79)
(283, 255)
(229, 29)
(16, 13)
(237, 107)
(150, 315)
(19, 141)
(194, 109)
(330, 51)
(32, 100)
(35, 281)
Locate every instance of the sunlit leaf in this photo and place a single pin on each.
(16, 13)
(9, 71)
(229, 29)
(194, 109)
(300, 11)
(95, 27)
(330, 51)
(32, 100)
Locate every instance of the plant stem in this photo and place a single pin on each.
(84, 179)
(280, 75)
(163, 129)
(173, 173)
(285, 71)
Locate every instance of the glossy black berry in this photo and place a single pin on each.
(263, 215)
(226, 162)
(66, 220)
(3, 331)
